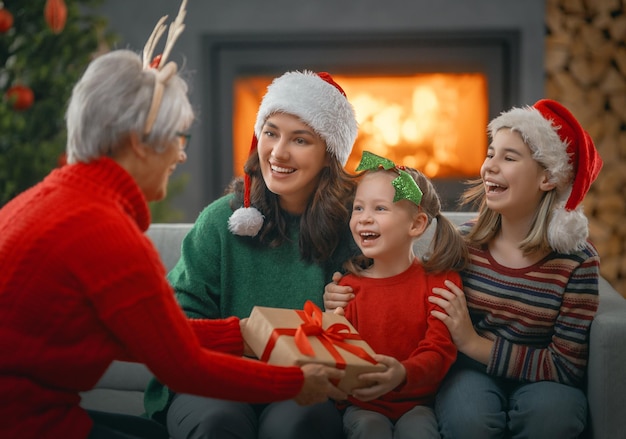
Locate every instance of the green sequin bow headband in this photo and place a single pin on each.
(406, 187)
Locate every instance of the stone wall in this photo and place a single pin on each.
(585, 61)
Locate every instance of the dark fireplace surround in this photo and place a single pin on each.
(496, 54)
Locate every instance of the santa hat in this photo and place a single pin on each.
(566, 150)
(319, 102)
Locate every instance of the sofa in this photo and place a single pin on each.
(120, 390)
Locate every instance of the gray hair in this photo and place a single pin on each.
(111, 101)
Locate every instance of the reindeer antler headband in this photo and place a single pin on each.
(162, 70)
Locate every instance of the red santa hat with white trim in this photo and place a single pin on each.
(320, 103)
(565, 149)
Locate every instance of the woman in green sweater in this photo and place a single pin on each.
(274, 240)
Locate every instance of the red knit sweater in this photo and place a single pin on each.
(393, 316)
(81, 285)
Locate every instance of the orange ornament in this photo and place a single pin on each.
(55, 12)
(6, 20)
(21, 96)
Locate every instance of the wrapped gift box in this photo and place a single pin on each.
(286, 337)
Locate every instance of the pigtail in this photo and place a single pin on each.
(448, 250)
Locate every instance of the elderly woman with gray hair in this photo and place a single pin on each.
(82, 285)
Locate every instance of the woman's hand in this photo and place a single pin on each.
(457, 319)
(337, 295)
(456, 316)
(317, 384)
(382, 382)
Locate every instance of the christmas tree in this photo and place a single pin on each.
(45, 46)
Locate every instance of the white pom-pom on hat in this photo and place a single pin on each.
(568, 230)
(245, 221)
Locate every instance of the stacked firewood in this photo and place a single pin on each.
(586, 71)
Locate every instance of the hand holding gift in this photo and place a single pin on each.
(291, 337)
(318, 384)
(382, 382)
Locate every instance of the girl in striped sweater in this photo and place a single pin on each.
(521, 325)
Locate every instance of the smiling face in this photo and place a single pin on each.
(514, 181)
(292, 157)
(382, 229)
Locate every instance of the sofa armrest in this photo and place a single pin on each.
(606, 374)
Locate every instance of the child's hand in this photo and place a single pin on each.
(384, 382)
(339, 311)
(337, 295)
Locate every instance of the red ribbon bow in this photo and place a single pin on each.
(332, 337)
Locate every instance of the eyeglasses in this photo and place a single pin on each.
(184, 138)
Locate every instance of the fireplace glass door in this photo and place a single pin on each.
(432, 122)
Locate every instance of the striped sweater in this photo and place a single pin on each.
(539, 316)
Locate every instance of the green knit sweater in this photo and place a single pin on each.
(220, 274)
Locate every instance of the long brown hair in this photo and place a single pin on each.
(324, 220)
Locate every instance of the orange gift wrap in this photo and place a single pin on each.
(286, 337)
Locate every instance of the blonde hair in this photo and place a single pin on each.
(488, 222)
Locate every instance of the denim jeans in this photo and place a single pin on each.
(471, 404)
(417, 423)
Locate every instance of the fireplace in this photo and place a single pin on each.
(239, 67)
